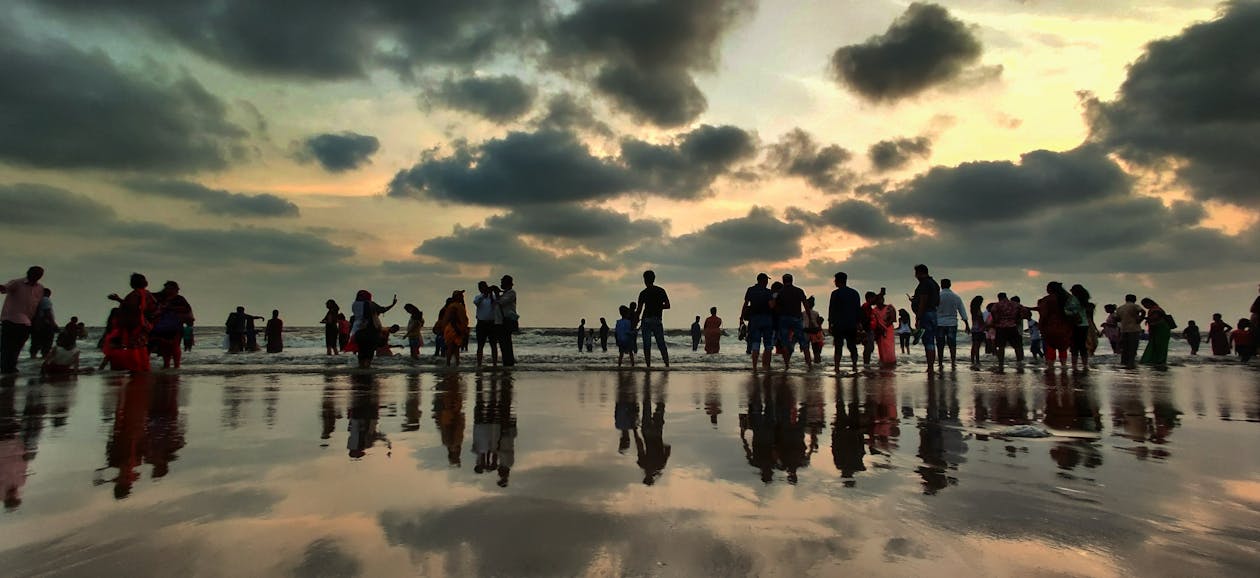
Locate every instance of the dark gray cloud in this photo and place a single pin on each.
(66, 108)
(506, 252)
(925, 47)
(888, 155)
(644, 53)
(1002, 190)
(593, 228)
(37, 206)
(554, 166)
(687, 168)
(854, 216)
(328, 39)
(496, 98)
(758, 237)
(521, 168)
(215, 201)
(1190, 102)
(565, 112)
(797, 154)
(339, 152)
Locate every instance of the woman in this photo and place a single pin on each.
(1218, 335)
(133, 324)
(275, 333)
(712, 332)
(813, 332)
(415, 329)
(1079, 309)
(173, 312)
(332, 329)
(1056, 324)
(1160, 332)
(455, 326)
(978, 327)
(1111, 327)
(367, 337)
(883, 322)
(1244, 340)
(904, 331)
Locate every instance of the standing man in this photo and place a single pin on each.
(484, 304)
(755, 311)
(844, 311)
(21, 300)
(926, 300)
(696, 334)
(43, 327)
(603, 334)
(581, 335)
(507, 319)
(1006, 316)
(1130, 316)
(652, 302)
(950, 312)
(788, 305)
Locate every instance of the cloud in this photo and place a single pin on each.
(39, 206)
(1002, 190)
(64, 108)
(1189, 103)
(755, 238)
(521, 168)
(593, 228)
(565, 112)
(214, 201)
(338, 153)
(797, 154)
(854, 216)
(889, 155)
(329, 39)
(505, 252)
(554, 166)
(496, 98)
(644, 53)
(925, 47)
(687, 168)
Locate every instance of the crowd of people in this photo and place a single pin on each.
(776, 317)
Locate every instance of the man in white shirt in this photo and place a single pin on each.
(948, 314)
(21, 301)
(485, 304)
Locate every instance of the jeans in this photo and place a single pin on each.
(760, 333)
(649, 327)
(946, 335)
(792, 326)
(505, 343)
(1129, 347)
(841, 337)
(927, 322)
(12, 338)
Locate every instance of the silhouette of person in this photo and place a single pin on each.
(651, 447)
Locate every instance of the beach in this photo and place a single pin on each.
(310, 469)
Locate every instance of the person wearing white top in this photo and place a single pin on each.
(948, 314)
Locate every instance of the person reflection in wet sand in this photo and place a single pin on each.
(790, 434)
(932, 432)
(713, 403)
(881, 415)
(328, 414)
(365, 413)
(165, 433)
(13, 458)
(760, 421)
(626, 410)
(486, 427)
(847, 445)
(651, 447)
(125, 448)
(1071, 405)
(411, 409)
(507, 431)
(448, 415)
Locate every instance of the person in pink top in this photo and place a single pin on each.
(21, 299)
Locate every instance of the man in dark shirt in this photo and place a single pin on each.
(756, 313)
(844, 311)
(652, 302)
(927, 297)
(789, 305)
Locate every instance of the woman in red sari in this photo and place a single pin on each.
(712, 332)
(133, 324)
(883, 324)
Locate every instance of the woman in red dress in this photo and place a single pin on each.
(1056, 328)
(133, 324)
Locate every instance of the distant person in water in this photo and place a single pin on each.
(844, 313)
(486, 309)
(1244, 340)
(696, 334)
(64, 357)
(653, 301)
(712, 332)
(21, 300)
(925, 303)
(1006, 314)
(1111, 327)
(756, 312)
(275, 333)
(455, 327)
(979, 329)
(343, 331)
(1192, 336)
(43, 327)
(904, 331)
(238, 325)
(174, 313)
(1159, 331)
(814, 329)
(624, 333)
(581, 335)
(1057, 323)
(948, 314)
(1034, 340)
(332, 328)
(508, 320)
(884, 323)
(133, 322)
(1080, 312)
(415, 329)
(790, 306)
(1218, 335)
(251, 332)
(603, 334)
(368, 331)
(590, 341)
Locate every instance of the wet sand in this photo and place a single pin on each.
(684, 473)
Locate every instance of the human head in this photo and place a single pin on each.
(1109, 308)
(1002, 296)
(1130, 298)
(977, 302)
(34, 274)
(870, 296)
(1147, 302)
(946, 283)
(171, 286)
(624, 311)
(457, 296)
(787, 279)
(1244, 323)
(1216, 316)
(138, 281)
(362, 295)
(506, 282)
(1080, 293)
(842, 279)
(275, 313)
(697, 319)
(1190, 323)
(603, 321)
(649, 277)
(410, 308)
(330, 304)
(240, 309)
(583, 321)
(341, 317)
(713, 311)
(762, 279)
(483, 287)
(65, 340)
(920, 271)
(47, 292)
(1016, 299)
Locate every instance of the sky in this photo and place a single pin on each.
(272, 156)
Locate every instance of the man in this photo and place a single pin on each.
(868, 308)
(581, 335)
(696, 334)
(507, 320)
(21, 300)
(844, 312)
(652, 302)
(789, 305)
(1130, 316)
(1006, 316)
(926, 300)
(950, 312)
(484, 304)
(43, 327)
(603, 333)
(755, 311)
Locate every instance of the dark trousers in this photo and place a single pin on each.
(505, 344)
(12, 338)
(1129, 348)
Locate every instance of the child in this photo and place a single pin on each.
(625, 336)
(415, 327)
(64, 358)
(1034, 340)
(188, 337)
(1244, 340)
(343, 331)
